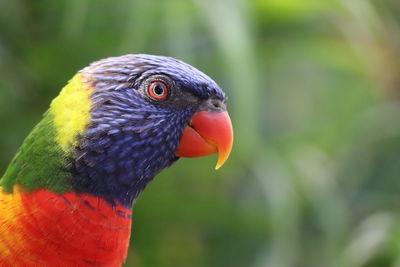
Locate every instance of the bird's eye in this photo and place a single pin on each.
(158, 90)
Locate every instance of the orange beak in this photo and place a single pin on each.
(207, 133)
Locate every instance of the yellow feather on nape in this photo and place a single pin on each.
(71, 111)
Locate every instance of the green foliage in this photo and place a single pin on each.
(313, 88)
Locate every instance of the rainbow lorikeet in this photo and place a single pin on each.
(66, 198)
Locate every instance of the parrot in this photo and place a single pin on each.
(67, 197)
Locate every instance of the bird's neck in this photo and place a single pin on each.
(118, 171)
(45, 156)
(68, 229)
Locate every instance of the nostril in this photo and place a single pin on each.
(217, 104)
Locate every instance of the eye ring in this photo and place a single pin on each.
(158, 90)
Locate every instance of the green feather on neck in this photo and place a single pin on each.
(40, 162)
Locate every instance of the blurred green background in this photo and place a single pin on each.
(314, 90)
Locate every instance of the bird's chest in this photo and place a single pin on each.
(47, 229)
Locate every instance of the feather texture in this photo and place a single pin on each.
(43, 228)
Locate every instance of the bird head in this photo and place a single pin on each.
(145, 112)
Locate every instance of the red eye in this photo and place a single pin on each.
(158, 90)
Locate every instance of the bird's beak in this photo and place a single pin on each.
(208, 132)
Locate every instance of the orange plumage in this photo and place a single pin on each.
(81, 229)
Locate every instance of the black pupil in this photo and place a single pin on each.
(158, 89)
